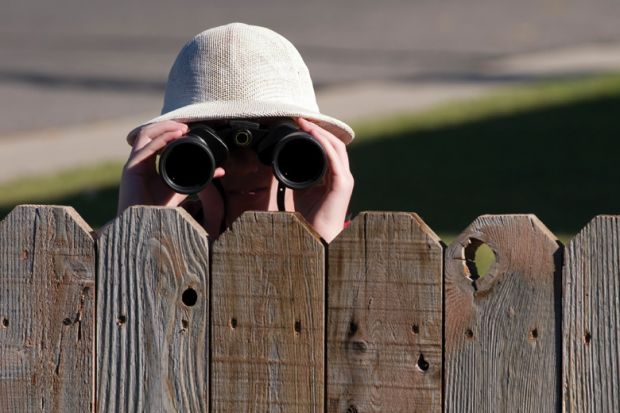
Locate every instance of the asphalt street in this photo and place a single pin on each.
(73, 72)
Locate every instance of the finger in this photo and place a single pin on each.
(149, 132)
(327, 139)
(337, 170)
(138, 155)
(176, 199)
(219, 172)
(334, 147)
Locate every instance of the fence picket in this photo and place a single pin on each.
(591, 366)
(278, 330)
(152, 313)
(501, 343)
(47, 276)
(385, 316)
(268, 316)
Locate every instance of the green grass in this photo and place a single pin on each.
(92, 191)
(506, 101)
(548, 148)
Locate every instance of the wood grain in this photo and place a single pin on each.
(47, 277)
(385, 316)
(268, 316)
(152, 331)
(501, 330)
(591, 325)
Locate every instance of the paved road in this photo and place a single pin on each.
(82, 73)
(70, 61)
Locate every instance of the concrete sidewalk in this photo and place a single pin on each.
(55, 149)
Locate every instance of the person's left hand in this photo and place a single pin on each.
(325, 205)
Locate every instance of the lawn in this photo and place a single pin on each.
(91, 191)
(548, 149)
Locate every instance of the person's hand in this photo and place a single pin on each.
(140, 183)
(325, 205)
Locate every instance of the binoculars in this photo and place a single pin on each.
(187, 164)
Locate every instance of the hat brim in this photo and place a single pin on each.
(250, 110)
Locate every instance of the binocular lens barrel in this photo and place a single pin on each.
(187, 165)
(299, 161)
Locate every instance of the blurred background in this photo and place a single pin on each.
(462, 107)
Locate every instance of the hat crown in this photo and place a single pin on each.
(239, 63)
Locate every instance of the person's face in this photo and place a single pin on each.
(249, 184)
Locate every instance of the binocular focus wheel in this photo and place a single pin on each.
(187, 165)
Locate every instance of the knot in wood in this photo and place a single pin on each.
(359, 346)
(352, 409)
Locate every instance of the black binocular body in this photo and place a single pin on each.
(187, 164)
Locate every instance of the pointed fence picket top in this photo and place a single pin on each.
(591, 369)
(385, 316)
(502, 329)
(152, 313)
(47, 276)
(268, 316)
(281, 329)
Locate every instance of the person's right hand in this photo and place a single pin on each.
(140, 182)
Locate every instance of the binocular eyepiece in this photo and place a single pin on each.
(187, 164)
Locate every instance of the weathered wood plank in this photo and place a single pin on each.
(591, 325)
(385, 316)
(502, 330)
(152, 312)
(268, 316)
(47, 277)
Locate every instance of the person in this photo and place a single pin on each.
(245, 72)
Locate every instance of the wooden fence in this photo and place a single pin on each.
(145, 315)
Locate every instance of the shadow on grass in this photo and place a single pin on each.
(559, 163)
(96, 206)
